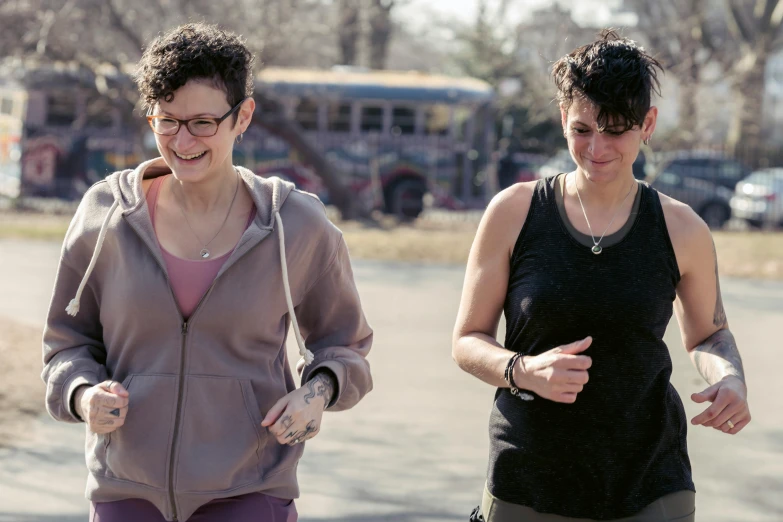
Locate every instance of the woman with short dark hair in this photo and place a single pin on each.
(177, 283)
(587, 267)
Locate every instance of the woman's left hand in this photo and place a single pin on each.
(297, 417)
(729, 411)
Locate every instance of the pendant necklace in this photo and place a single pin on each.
(597, 244)
(205, 253)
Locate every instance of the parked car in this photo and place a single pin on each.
(758, 199)
(709, 200)
(706, 165)
(516, 167)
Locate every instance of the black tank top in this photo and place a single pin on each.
(622, 444)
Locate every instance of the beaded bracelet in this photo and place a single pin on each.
(508, 375)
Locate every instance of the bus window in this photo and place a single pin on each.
(61, 108)
(307, 114)
(100, 113)
(7, 106)
(403, 120)
(437, 120)
(372, 119)
(339, 119)
(462, 117)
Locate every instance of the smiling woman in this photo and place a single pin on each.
(177, 285)
(588, 267)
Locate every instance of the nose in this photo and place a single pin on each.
(183, 139)
(598, 145)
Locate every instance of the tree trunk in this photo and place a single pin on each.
(745, 138)
(380, 32)
(688, 128)
(348, 30)
(271, 117)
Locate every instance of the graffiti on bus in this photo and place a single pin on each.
(10, 154)
(365, 167)
(64, 165)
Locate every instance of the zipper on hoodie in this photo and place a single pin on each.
(172, 496)
(184, 332)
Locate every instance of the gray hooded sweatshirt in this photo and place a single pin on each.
(200, 388)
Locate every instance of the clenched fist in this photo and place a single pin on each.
(103, 406)
(559, 374)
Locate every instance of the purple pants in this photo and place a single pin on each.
(254, 507)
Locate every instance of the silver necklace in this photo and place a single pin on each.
(205, 253)
(596, 244)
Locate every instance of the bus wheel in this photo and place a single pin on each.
(406, 199)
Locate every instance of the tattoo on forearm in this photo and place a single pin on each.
(320, 386)
(719, 316)
(718, 357)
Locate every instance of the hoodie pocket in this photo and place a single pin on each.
(221, 436)
(138, 451)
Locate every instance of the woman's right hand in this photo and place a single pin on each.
(558, 375)
(103, 406)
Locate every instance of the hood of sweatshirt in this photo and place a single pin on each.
(269, 196)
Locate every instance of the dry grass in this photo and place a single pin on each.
(442, 240)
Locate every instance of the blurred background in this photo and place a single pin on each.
(406, 117)
(401, 106)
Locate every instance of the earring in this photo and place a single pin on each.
(240, 138)
(646, 140)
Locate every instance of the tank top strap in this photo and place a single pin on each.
(539, 218)
(152, 197)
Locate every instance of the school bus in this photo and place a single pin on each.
(394, 137)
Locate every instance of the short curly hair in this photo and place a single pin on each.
(195, 51)
(614, 74)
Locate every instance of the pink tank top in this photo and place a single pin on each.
(189, 279)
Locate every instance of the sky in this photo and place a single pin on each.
(584, 12)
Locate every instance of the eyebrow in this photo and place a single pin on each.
(201, 115)
(614, 126)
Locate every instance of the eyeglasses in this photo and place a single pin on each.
(199, 127)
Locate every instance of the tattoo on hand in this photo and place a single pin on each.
(718, 357)
(287, 421)
(301, 436)
(719, 316)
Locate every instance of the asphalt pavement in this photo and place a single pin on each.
(415, 448)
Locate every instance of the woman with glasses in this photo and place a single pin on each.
(177, 284)
(587, 267)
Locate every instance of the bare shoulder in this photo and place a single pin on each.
(506, 214)
(690, 235)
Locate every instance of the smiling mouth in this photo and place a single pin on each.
(189, 156)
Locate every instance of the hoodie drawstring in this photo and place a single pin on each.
(306, 354)
(73, 307)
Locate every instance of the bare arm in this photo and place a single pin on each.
(558, 374)
(703, 324)
(474, 347)
(717, 356)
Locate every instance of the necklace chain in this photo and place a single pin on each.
(205, 253)
(596, 244)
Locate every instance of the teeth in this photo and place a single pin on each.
(192, 156)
